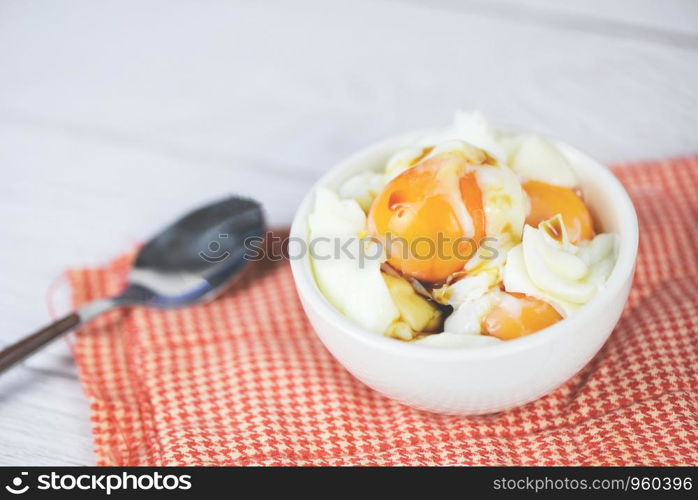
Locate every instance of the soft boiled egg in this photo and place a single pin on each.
(548, 200)
(495, 313)
(352, 280)
(486, 222)
(433, 217)
(515, 315)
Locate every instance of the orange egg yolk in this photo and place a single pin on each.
(548, 200)
(518, 315)
(430, 218)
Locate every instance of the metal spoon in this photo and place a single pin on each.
(191, 261)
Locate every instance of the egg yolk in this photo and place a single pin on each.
(517, 315)
(430, 217)
(548, 200)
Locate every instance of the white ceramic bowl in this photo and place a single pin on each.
(485, 379)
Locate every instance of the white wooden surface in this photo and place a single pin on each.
(116, 116)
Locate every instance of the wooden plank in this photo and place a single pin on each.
(44, 418)
(673, 23)
(672, 16)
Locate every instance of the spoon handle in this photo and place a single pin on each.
(23, 348)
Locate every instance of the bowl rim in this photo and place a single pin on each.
(312, 296)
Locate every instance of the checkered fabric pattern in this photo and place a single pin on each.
(244, 380)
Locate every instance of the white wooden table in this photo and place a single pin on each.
(117, 116)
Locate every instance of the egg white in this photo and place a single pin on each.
(353, 286)
(565, 275)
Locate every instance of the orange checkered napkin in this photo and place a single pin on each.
(244, 380)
